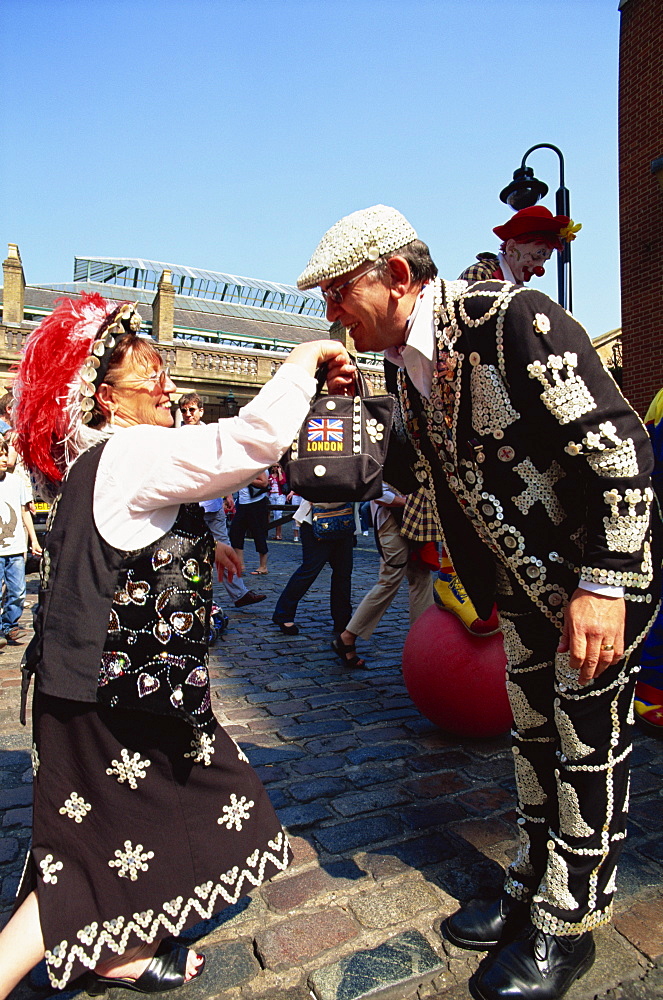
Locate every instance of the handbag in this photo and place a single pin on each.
(338, 454)
(328, 524)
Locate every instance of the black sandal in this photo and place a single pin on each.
(340, 648)
(166, 971)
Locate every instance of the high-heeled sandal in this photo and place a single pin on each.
(166, 971)
(342, 649)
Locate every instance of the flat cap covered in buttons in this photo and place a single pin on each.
(359, 237)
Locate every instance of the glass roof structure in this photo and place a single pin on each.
(211, 286)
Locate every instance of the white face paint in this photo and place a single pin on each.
(527, 259)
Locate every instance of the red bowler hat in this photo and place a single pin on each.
(534, 221)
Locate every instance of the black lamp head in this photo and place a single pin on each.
(524, 190)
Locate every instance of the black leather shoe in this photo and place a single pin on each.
(166, 971)
(483, 924)
(536, 966)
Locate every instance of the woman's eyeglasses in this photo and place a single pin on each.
(156, 378)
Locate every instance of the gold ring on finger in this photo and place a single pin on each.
(607, 645)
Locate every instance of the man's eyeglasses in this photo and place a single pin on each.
(334, 294)
(189, 409)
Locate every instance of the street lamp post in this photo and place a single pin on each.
(523, 192)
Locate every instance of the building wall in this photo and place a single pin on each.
(641, 198)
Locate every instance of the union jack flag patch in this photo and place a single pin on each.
(325, 429)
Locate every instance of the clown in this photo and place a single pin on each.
(528, 241)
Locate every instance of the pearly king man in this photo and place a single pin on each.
(538, 472)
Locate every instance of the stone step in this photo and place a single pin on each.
(393, 970)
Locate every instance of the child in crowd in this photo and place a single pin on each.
(15, 521)
(277, 491)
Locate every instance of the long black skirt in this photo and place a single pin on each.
(140, 830)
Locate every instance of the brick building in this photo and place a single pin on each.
(641, 197)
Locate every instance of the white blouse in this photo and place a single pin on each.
(146, 472)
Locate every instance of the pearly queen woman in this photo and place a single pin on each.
(147, 816)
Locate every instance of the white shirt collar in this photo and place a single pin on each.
(417, 353)
(506, 270)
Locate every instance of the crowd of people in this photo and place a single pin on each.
(511, 445)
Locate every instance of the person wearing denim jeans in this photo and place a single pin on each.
(15, 520)
(316, 553)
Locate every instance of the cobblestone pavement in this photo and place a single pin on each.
(392, 822)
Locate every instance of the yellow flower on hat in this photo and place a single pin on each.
(570, 230)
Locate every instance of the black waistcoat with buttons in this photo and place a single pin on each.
(124, 629)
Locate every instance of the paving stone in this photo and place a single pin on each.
(647, 813)
(316, 765)
(294, 817)
(642, 925)
(486, 800)
(442, 761)
(381, 797)
(19, 795)
(364, 777)
(495, 768)
(9, 889)
(319, 700)
(226, 965)
(420, 725)
(8, 849)
(391, 751)
(321, 715)
(644, 781)
(271, 772)
(348, 836)
(424, 851)
(318, 788)
(432, 785)
(268, 697)
(654, 849)
(289, 708)
(17, 817)
(633, 876)
(13, 761)
(432, 814)
(287, 684)
(271, 755)
(394, 904)
(303, 851)
(296, 993)
(483, 833)
(401, 960)
(384, 734)
(278, 798)
(297, 732)
(287, 894)
(335, 744)
(300, 938)
(381, 866)
(387, 714)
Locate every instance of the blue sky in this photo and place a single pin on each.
(230, 134)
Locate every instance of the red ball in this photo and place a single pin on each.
(455, 679)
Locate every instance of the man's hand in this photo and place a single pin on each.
(592, 623)
(229, 505)
(35, 548)
(227, 561)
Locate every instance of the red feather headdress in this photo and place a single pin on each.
(47, 413)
